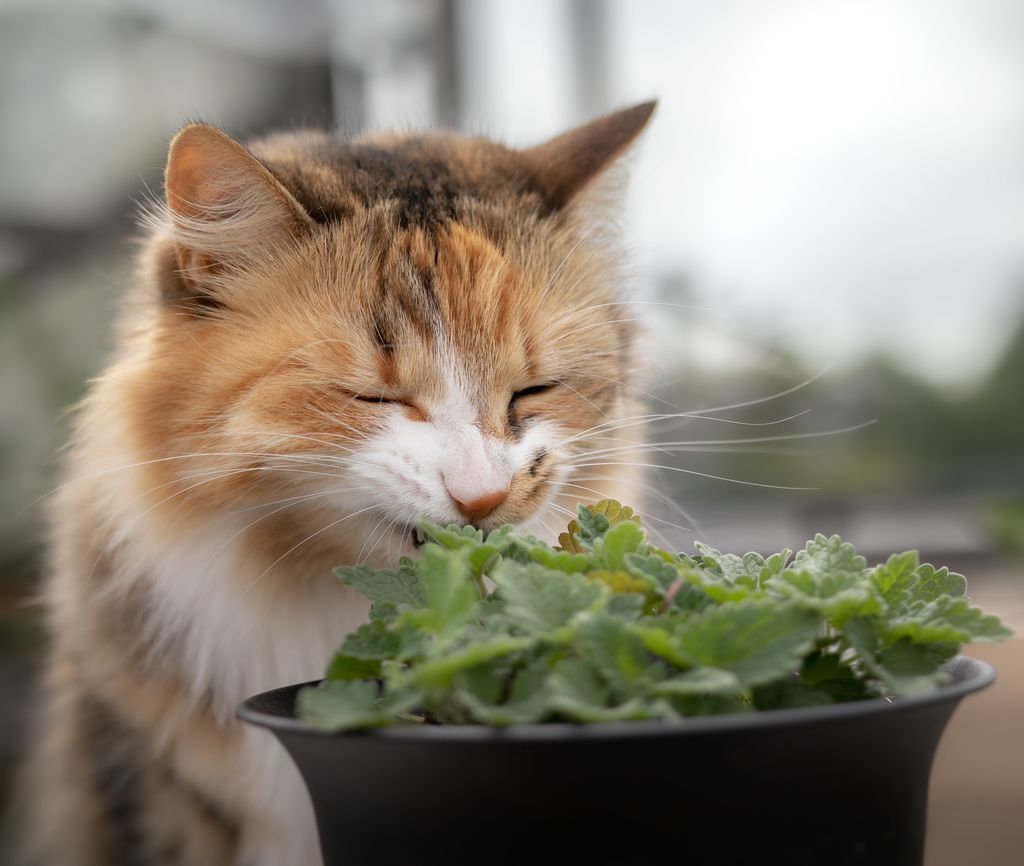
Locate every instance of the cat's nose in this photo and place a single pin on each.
(475, 508)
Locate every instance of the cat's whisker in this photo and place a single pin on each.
(192, 455)
(645, 515)
(688, 444)
(696, 473)
(602, 494)
(386, 533)
(288, 503)
(622, 384)
(299, 544)
(703, 413)
(633, 421)
(583, 397)
(565, 336)
(647, 485)
(301, 497)
(370, 536)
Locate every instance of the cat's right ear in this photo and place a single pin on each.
(225, 207)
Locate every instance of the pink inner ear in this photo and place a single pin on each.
(224, 203)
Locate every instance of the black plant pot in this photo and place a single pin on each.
(841, 784)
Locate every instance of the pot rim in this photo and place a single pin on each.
(969, 675)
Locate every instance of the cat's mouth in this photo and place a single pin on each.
(417, 538)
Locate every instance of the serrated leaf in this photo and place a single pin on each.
(540, 600)
(374, 640)
(896, 578)
(932, 583)
(617, 542)
(837, 595)
(616, 652)
(591, 522)
(449, 592)
(750, 571)
(829, 555)
(397, 587)
(757, 640)
(946, 619)
(452, 536)
(657, 571)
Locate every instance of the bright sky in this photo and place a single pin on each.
(848, 174)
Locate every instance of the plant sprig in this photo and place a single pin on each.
(608, 627)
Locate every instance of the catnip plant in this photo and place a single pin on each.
(503, 629)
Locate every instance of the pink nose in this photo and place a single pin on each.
(479, 507)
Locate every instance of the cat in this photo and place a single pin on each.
(325, 339)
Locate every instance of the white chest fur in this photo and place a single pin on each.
(230, 643)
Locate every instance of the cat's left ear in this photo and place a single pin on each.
(225, 205)
(566, 165)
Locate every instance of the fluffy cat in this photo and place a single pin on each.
(326, 339)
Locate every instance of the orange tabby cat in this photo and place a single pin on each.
(327, 338)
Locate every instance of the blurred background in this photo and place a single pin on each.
(825, 223)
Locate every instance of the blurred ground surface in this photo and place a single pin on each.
(976, 804)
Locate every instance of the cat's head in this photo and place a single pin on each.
(351, 334)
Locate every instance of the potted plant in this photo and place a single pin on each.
(612, 703)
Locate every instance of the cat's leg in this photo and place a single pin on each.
(97, 794)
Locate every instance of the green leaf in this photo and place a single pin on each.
(750, 571)
(577, 691)
(618, 541)
(592, 521)
(441, 671)
(560, 560)
(788, 692)
(902, 582)
(946, 619)
(896, 578)
(837, 595)
(700, 681)
(345, 667)
(397, 587)
(932, 583)
(824, 556)
(336, 705)
(374, 640)
(527, 699)
(652, 568)
(540, 600)
(829, 674)
(757, 640)
(448, 590)
(453, 536)
(616, 652)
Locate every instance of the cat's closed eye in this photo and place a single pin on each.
(532, 390)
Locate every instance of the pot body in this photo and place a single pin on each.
(843, 784)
